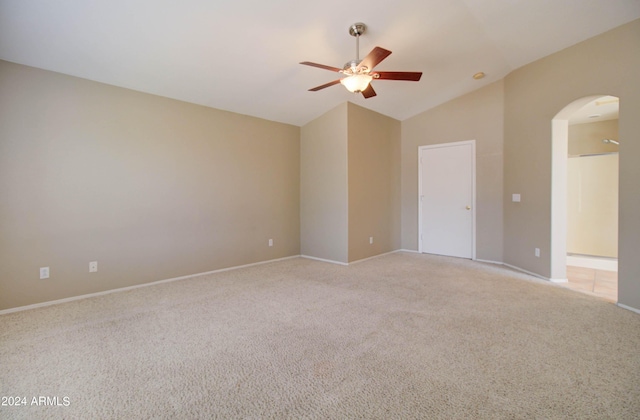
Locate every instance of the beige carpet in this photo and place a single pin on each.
(400, 336)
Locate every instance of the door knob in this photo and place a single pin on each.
(468, 207)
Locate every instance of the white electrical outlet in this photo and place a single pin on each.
(370, 240)
(270, 242)
(538, 252)
(44, 272)
(93, 266)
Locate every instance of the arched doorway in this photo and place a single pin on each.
(581, 109)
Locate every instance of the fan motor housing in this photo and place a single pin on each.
(351, 65)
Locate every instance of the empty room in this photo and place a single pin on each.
(329, 210)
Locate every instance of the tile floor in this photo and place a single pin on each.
(595, 282)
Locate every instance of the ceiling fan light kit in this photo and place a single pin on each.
(356, 83)
(359, 73)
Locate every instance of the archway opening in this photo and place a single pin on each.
(581, 226)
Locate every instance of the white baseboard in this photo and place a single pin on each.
(407, 250)
(356, 261)
(489, 261)
(137, 286)
(629, 308)
(373, 257)
(527, 272)
(608, 264)
(324, 260)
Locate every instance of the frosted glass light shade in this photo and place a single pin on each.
(357, 82)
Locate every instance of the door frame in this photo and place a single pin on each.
(471, 143)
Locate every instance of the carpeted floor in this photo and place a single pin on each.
(400, 336)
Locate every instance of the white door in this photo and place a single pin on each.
(447, 199)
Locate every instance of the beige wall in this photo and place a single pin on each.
(604, 65)
(373, 159)
(349, 184)
(475, 116)
(323, 187)
(592, 205)
(587, 138)
(149, 187)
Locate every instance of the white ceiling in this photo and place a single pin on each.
(600, 109)
(243, 55)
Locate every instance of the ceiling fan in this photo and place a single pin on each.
(359, 73)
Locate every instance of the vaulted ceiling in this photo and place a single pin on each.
(243, 55)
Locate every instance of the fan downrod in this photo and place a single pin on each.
(356, 30)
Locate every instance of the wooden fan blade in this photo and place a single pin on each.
(412, 76)
(321, 66)
(374, 58)
(326, 85)
(368, 92)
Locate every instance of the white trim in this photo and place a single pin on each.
(324, 260)
(137, 286)
(473, 199)
(528, 272)
(558, 234)
(489, 261)
(608, 264)
(472, 143)
(629, 308)
(420, 200)
(356, 261)
(524, 271)
(371, 258)
(413, 251)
